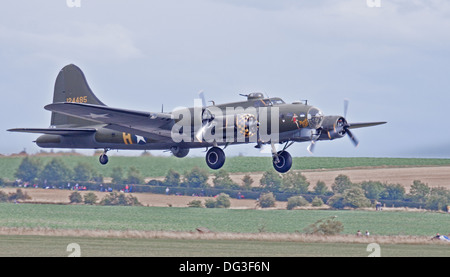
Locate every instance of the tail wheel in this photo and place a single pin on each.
(282, 162)
(215, 158)
(103, 159)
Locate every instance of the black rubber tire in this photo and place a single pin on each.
(103, 159)
(215, 158)
(284, 162)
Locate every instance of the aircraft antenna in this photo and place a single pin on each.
(270, 100)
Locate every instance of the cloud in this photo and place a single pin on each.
(391, 62)
(408, 21)
(86, 41)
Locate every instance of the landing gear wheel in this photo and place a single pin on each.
(215, 158)
(282, 162)
(103, 159)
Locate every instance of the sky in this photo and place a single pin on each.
(389, 58)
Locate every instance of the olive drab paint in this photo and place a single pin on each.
(80, 120)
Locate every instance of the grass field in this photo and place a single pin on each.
(42, 246)
(158, 166)
(170, 232)
(87, 217)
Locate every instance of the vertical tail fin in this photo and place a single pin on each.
(71, 86)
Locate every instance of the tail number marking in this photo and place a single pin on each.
(81, 99)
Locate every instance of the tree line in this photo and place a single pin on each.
(341, 194)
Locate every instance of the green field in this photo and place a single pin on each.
(73, 219)
(42, 246)
(218, 220)
(158, 166)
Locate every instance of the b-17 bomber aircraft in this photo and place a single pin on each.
(80, 120)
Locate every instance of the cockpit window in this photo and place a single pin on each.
(268, 102)
(261, 103)
(277, 101)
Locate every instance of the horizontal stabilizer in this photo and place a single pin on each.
(55, 131)
(102, 114)
(137, 122)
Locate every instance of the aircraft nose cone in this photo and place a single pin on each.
(315, 118)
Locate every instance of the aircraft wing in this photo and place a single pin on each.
(137, 122)
(55, 131)
(364, 124)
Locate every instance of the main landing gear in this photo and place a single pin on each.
(215, 158)
(282, 160)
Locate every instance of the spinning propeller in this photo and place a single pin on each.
(342, 127)
(346, 126)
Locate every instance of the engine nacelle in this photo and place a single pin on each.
(247, 125)
(232, 127)
(333, 127)
(179, 152)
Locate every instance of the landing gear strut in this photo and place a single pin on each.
(103, 157)
(282, 160)
(215, 158)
